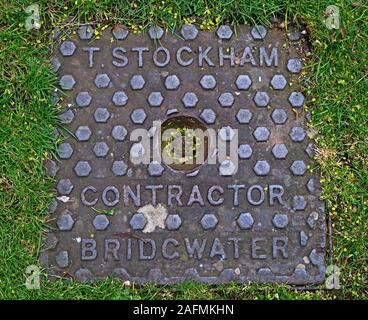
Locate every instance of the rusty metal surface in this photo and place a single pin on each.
(243, 232)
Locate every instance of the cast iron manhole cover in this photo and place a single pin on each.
(254, 215)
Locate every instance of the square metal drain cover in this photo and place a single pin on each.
(262, 222)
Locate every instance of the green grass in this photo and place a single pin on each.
(337, 74)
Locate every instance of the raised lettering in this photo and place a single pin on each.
(195, 248)
(140, 51)
(136, 197)
(166, 54)
(88, 249)
(195, 197)
(223, 56)
(268, 59)
(83, 196)
(117, 53)
(174, 195)
(142, 245)
(219, 200)
(153, 189)
(279, 245)
(111, 248)
(203, 55)
(256, 254)
(179, 58)
(250, 198)
(165, 254)
(91, 51)
(108, 201)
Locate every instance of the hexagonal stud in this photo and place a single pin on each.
(311, 185)
(261, 134)
(190, 100)
(226, 99)
(316, 258)
(245, 151)
(209, 221)
(56, 33)
(138, 116)
(208, 82)
(82, 169)
(227, 168)
(83, 133)
(243, 82)
(173, 222)
(298, 167)
(224, 32)
(189, 32)
(280, 151)
(312, 220)
(303, 238)
(100, 149)
(279, 116)
(62, 259)
(64, 187)
(119, 133)
(155, 99)
(100, 222)
(83, 275)
(138, 221)
(261, 99)
(51, 168)
(120, 98)
(85, 32)
(280, 220)
(67, 48)
(294, 65)
(208, 116)
(66, 117)
(299, 203)
(262, 168)
(297, 134)
(52, 206)
(120, 32)
(155, 169)
(102, 80)
(83, 99)
(244, 116)
(119, 168)
(51, 240)
(67, 82)
(278, 82)
(55, 64)
(258, 32)
(245, 221)
(101, 115)
(65, 150)
(65, 221)
(54, 98)
(155, 32)
(137, 82)
(172, 82)
(310, 150)
(226, 133)
(296, 99)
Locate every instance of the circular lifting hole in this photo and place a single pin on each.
(184, 143)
